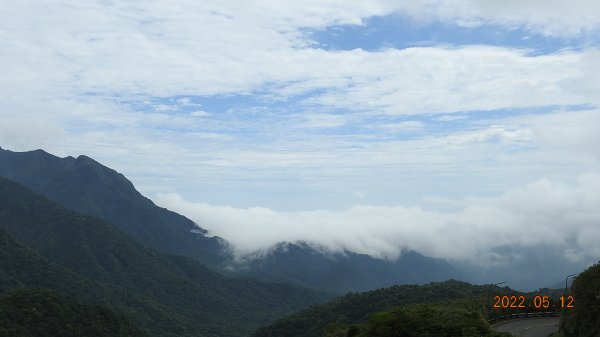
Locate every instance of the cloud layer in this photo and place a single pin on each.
(543, 213)
(123, 49)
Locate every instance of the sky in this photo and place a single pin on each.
(447, 127)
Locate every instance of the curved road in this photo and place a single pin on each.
(530, 327)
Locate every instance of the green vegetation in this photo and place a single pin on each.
(40, 313)
(21, 267)
(89, 259)
(582, 321)
(355, 308)
(453, 318)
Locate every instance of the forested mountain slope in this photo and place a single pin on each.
(205, 301)
(355, 308)
(449, 318)
(21, 267)
(40, 313)
(86, 186)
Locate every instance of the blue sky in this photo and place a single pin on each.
(281, 116)
(398, 31)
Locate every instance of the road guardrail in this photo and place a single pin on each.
(524, 315)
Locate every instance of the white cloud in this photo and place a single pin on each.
(548, 17)
(565, 134)
(358, 195)
(321, 120)
(184, 101)
(23, 134)
(451, 118)
(438, 80)
(542, 213)
(469, 23)
(406, 126)
(186, 48)
(554, 17)
(494, 133)
(199, 113)
(164, 108)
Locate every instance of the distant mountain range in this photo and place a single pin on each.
(341, 272)
(89, 187)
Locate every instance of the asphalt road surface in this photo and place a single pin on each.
(530, 327)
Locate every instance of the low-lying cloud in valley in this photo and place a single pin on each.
(545, 213)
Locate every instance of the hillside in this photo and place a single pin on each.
(355, 308)
(200, 301)
(582, 320)
(21, 267)
(86, 186)
(450, 318)
(40, 313)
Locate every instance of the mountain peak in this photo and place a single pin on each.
(84, 158)
(38, 152)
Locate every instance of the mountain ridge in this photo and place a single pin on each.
(84, 185)
(298, 263)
